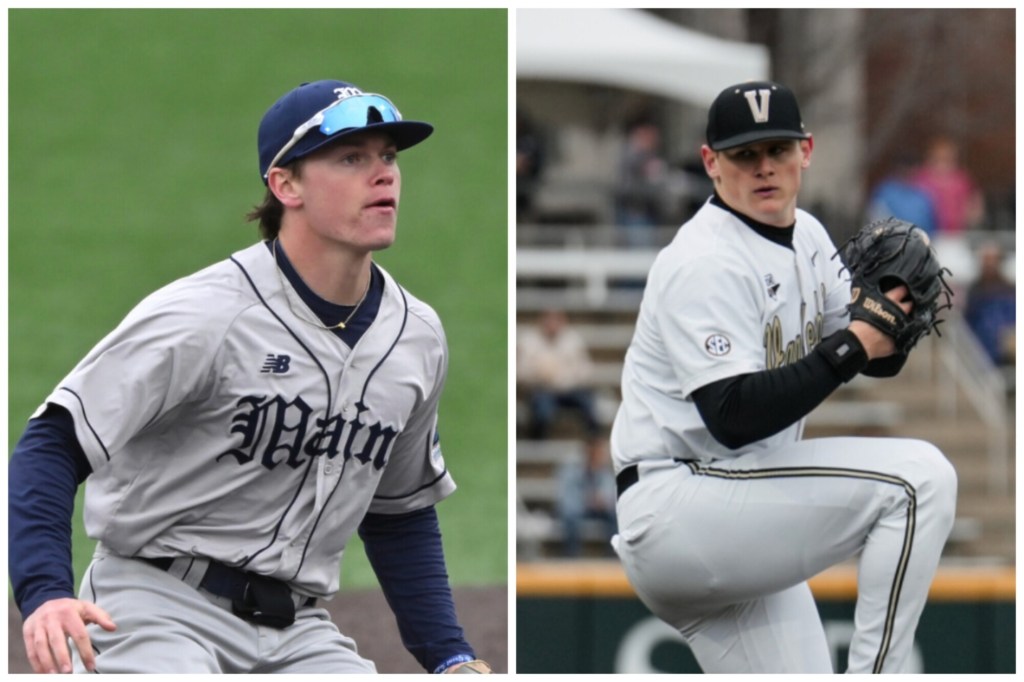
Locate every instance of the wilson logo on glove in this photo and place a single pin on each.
(873, 306)
(884, 255)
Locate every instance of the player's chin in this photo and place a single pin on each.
(378, 233)
(772, 210)
(379, 239)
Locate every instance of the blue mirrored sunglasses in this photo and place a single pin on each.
(356, 111)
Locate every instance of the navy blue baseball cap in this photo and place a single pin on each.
(317, 113)
(751, 112)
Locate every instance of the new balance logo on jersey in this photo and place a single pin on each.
(758, 109)
(276, 364)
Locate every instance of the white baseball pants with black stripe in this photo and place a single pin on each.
(722, 551)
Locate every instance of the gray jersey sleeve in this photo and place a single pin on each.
(156, 359)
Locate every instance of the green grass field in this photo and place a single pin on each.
(132, 161)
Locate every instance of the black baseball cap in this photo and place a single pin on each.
(314, 114)
(753, 111)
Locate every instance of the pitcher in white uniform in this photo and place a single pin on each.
(724, 511)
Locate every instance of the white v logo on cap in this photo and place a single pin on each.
(760, 112)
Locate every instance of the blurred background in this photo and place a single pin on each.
(913, 115)
(132, 161)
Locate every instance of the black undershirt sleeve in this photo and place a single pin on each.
(744, 409)
(888, 366)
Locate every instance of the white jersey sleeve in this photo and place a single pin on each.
(705, 314)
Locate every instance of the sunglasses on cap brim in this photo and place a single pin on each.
(356, 111)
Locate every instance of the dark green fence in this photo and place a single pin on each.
(602, 629)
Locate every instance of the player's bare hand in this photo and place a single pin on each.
(878, 344)
(47, 629)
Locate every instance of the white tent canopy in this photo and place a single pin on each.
(629, 48)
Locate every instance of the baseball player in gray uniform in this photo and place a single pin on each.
(724, 511)
(239, 426)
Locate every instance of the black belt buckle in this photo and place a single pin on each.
(265, 602)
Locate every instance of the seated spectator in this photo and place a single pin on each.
(991, 309)
(897, 196)
(586, 491)
(553, 366)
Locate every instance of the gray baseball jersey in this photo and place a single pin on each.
(721, 301)
(221, 421)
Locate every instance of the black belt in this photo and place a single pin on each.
(631, 474)
(626, 478)
(256, 598)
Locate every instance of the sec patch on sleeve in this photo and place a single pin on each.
(717, 345)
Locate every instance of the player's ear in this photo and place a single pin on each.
(806, 147)
(285, 186)
(710, 159)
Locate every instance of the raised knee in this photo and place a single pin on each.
(937, 480)
(940, 471)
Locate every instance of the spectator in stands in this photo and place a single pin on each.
(897, 196)
(529, 163)
(553, 366)
(958, 203)
(640, 178)
(586, 491)
(991, 310)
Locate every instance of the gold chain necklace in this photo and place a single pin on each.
(321, 325)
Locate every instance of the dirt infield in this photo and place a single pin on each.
(483, 612)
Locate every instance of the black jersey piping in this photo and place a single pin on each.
(87, 422)
(429, 484)
(401, 331)
(341, 476)
(312, 532)
(327, 381)
(908, 535)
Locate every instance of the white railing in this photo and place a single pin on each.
(586, 236)
(973, 375)
(586, 275)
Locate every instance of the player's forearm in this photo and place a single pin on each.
(747, 408)
(406, 554)
(43, 476)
